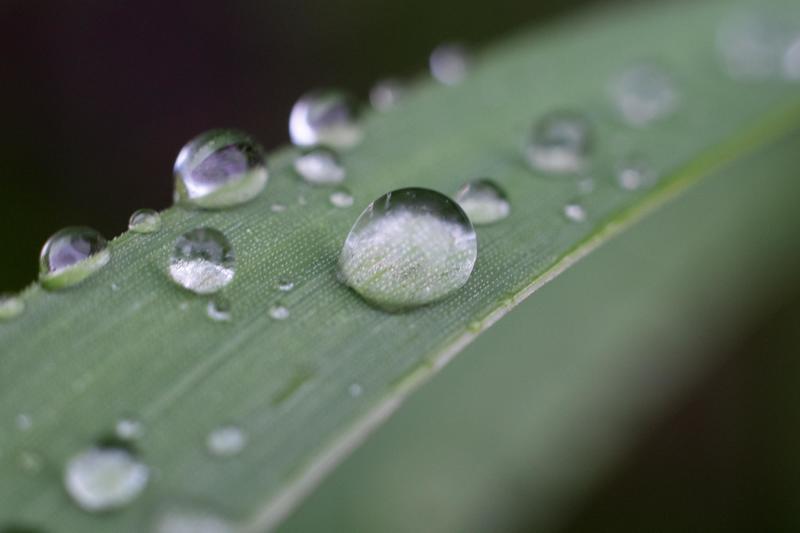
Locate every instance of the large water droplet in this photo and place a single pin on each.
(386, 94)
(100, 479)
(145, 221)
(219, 310)
(320, 166)
(752, 45)
(559, 143)
(202, 261)
(220, 168)
(191, 521)
(70, 256)
(483, 201)
(408, 248)
(643, 94)
(226, 441)
(325, 117)
(635, 173)
(449, 63)
(341, 198)
(11, 306)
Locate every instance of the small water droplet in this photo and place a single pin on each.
(202, 261)
(128, 429)
(226, 441)
(24, 422)
(575, 212)
(408, 248)
(634, 173)
(278, 312)
(70, 256)
(285, 285)
(341, 198)
(11, 306)
(219, 310)
(100, 479)
(325, 117)
(752, 45)
(449, 63)
(483, 201)
(644, 94)
(277, 208)
(145, 221)
(559, 143)
(191, 521)
(355, 390)
(386, 94)
(320, 166)
(220, 168)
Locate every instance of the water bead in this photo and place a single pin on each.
(341, 198)
(559, 143)
(483, 201)
(226, 441)
(101, 479)
(449, 63)
(70, 256)
(325, 117)
(386, 94)
(202, 261)
(643, 94)
(320, 166)
(219, 310)
(144, 221)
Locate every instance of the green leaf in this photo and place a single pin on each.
(79, 359)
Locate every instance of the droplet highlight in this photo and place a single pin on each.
(11, 306)
(325, 117)
(644, 94)
(483, 201)
(449, 63)
(202, 261)
(70, 256)
(320, 166)
(285, 285)
(128, 429)
(101, 479)
(408, 248)
(341, 198)
(559, 143)
(226, 441)
(575, 212)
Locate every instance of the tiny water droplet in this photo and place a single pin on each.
(191, 521)
(70, 256)
(559, 143)
(634, 173)
(226, 441)
(483, 201)
(277, 208)
(325, 117)
(145, 221)
(386, 94)
(320, 166)
(285, 285)
(220, 168)
(100, 479)
(341, 198)
(644, 94)
(219, 310)
(11, 306)
(278, 312)
(575, 212)
(409, 247)
(355, 390)
(128, 429)
(449, 63)
(24, 422)
(752, 45)
(202, 261)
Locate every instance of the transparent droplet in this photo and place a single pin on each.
(285, 285)
(325, 117)
(320, 166)
(145, 221)
(226, 441)
(202, 261)
(219, 310)
(386, 94)
(180, 520)
(11, 306)
(635, 173)
(277, 208)
(752, 45)
(408, 248)
(220, 168)
(279, 312)
(791, 60)
(101, 479)
(559, 143)
(128, 429)
(341, 198)
(483, 201)
(449, 63)
(355, 390)
(643, 94)
(70, 256)
(24, 422)
(575, 212)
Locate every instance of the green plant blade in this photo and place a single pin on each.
(79, 359)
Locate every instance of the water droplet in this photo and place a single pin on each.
(226, 441)
(128, 429)
(278, 312)
(325, 117)
(341, 198)
(752, 45)
(70, 256)
(320, 166)
(575, 212)
(483, 201)
(220, 168)
(24, 422)
(559, 143)
(355, 390)
(100, 479)
(144, 221)
(219, 310)
(634, 173)
(277, 208)
(644, 94)
(285, 285)
(449, 63)
(408, 248)
(202, 261)
(11, 306)
(386, 94)
(191, 521)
